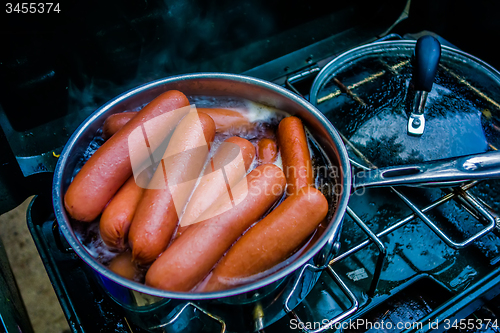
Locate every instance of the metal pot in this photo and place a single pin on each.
(256, 305)
(375, 90)
(245, 308)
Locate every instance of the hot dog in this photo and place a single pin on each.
(110, 166)
(118, 214)
(270, 241)
(267, 151)
(191, 257)
(113, 123)
(229, 164)
(122, 265)
(224, 119)
(295, 154)
(181, 229)
(156, 216)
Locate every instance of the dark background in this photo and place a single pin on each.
(56, 68)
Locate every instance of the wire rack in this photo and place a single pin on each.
(471, 204)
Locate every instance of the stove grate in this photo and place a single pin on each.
(476, 208)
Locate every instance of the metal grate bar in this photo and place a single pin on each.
(471, 87)
(326, 324)
(362, 82)
(182, 309)
(440, 233)
(289, 80)
(392, 228)
(381, 248)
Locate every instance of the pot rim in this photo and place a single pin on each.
(363, 50)
(331, 231)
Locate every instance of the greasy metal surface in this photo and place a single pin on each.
(392, 69)
(388, 218)
(72, 282)
(413, 252)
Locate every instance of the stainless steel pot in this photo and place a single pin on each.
(394, 59)
(245, 308)
(258, 304)
(373, 85)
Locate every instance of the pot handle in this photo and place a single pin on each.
(444, 173)
(333, 321)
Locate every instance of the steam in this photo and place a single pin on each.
(169, 38)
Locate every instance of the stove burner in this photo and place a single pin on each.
(390, 267)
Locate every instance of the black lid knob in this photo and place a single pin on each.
(425, 62)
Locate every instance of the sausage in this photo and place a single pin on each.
(156, 216)
(228, 166)
(117, 216)
(270, 241)
(224, 119)
(179, 231)
(193, 254)
(181, 228)
(114, 122)
(295, 154)
(267, 151)
(110, 166)
(122, 265)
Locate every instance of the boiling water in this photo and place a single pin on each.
(265, 121)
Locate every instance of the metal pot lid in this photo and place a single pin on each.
(367, 93)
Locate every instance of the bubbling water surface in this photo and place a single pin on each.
(264, 122)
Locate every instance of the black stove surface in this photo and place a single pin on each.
(391, 267)
(402, 275)
(57, 68)
(413, 289)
